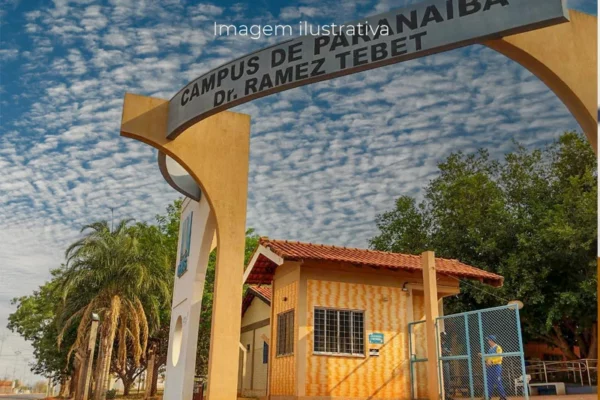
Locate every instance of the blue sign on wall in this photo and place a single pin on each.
(184, 251)
(376, 338)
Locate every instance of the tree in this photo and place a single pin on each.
(40, 387)
(207, 303)
(40, 318)
(34, 320)
(531, 217)
(121, 274)
(168, 225)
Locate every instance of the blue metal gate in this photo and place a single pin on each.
(418, 358)
(480, 355)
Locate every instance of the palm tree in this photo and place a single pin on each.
(122, 274)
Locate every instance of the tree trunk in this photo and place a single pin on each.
(107, 338)
(593, 345)
(559, 341)
(101, 356)
(63, 388)
(127, 383)
(74, 384)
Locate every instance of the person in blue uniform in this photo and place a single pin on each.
(494, 368)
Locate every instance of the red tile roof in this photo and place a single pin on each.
(264, 268)
(262, 292)
(265, 291)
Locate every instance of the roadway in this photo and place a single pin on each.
(33, 396)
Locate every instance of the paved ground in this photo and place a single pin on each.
(21, 396)
(567, 397)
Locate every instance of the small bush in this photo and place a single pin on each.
(111, 394)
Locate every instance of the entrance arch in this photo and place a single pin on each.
(215, 153)
(564, 58)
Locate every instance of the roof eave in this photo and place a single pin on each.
(265, 251)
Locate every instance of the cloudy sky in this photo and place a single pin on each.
(325, 159)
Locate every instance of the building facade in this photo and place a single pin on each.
(254, 342)
(339, 319)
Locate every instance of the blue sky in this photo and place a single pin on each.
(325, 159)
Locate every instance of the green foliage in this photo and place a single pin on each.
(531, 218)
(207, 303)
(111, 394)
(136, 261)
(34, 321)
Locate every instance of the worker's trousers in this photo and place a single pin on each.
(494, 379)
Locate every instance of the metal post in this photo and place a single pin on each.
(545, 371)
(520, 337)
(470, 362)
(587, 368)
(580, 373)
(485, 386)
(410, 355)
(440, 362)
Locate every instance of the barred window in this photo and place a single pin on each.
(339, 332)
(285, 333)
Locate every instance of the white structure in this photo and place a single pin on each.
(196, 235)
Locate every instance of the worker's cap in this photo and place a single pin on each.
(493, 338)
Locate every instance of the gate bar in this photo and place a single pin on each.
(509, 306)
(440, 365)
(480, 326)
(410, 355)
(524, 371)
(470, 362)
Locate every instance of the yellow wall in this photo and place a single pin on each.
(387, 308)
(283, 368)
(385, 376)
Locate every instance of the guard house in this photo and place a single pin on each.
(337, 320)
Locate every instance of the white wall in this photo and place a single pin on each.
(187, 298)
(254, 382)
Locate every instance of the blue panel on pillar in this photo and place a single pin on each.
(184, 252)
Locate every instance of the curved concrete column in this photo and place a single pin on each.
(564, 57)
(187, 300)
(215, 152)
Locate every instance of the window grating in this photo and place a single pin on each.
(285, 333)
(339, 332)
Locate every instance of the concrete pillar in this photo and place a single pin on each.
(150, 371)
(90, 357)
(431, 313)
(215, 153)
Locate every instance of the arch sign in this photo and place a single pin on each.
(412, 32)
(203, 150)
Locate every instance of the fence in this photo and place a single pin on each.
(480, 355)
(418, 359)
(578, 372)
